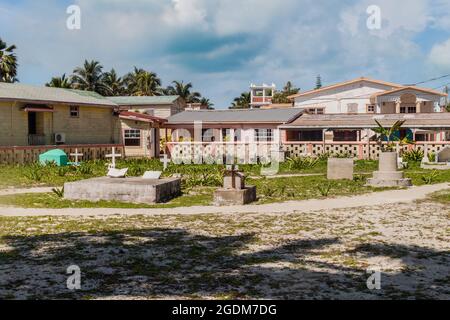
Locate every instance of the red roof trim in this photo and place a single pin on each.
(128, 115)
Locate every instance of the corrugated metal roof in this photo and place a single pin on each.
(22, 92)
(413, 120)
(236, 116)
(142, 101)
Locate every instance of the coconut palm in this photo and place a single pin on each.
(114, 83)
(242, 102)
(60, 82)
(184, 91)
(388, 135)
(89, 77)
(8, 62)
(142, 83)
(204, 102)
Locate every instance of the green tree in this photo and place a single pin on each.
(318, 82)
(89, 77)
(282, 96)
(242, 102)
(60, 82)
(142, 83)
(8, 63)
(113, 83)
(204, 102)
(184, 91)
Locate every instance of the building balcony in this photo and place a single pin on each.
(262, 100)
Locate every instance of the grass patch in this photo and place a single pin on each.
(52, 201)
(441, 197)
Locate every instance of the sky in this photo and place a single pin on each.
(222, 46)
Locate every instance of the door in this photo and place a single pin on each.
(32, 123)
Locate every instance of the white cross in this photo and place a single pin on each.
(76, 155)
(166, 161)
(113, 156)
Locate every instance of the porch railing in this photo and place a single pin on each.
(36, 139)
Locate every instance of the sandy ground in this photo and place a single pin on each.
(375, 198)
(320, 254)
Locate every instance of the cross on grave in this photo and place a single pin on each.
(76, 155)
(113, 156)
(165, 160)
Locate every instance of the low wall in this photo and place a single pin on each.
(30, 154)
(359, 150)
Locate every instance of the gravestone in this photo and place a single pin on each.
(388, 174)
(152, 175)
(57, 156)
(117, 173)
(443, 155)
(234, 191)
(340, 169)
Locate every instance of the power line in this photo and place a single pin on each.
(430, 80)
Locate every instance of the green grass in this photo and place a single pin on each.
(441, 197)
(50, 200)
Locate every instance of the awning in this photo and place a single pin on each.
(31, 108)
(135, 116)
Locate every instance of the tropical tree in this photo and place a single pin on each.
(8, 63)
(318, 82)
(184, 91)
(90, 78)
(113, 83)
(282, 96)
(389, 136)
(242, 102)
(60, 82)
(204, 102)
(142, 83)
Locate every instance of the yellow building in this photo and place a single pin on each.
(33, 116)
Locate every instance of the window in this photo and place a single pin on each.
(315, 110)
(132, 138)
(263, 135)
(208, 135)
(410, 109)
(309, 135)
(345, 135)
(352, 108)
(74, 111)
(370, 108)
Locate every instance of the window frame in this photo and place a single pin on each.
(268, 137)
(368, 106)
(130, 132)
(74, 111)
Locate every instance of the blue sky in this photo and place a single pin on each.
(222, 46)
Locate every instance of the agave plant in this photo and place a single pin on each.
(388, 135)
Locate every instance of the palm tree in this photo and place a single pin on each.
(114, 83)
(142, 83)
(204, 102)
(60, 82)
(90, 78)
(242, 102)
(8, 63)
(388, 135)
(184, 91)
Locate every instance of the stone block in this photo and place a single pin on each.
(133, 190)
(229, 197)
(239, 181)
(340, 169)
(443, 155)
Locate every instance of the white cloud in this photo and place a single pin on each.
(440, 53)
(186, 13)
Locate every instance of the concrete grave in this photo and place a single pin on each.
(443, 155)
(340, 169)
(234, 191)
(388, 174)
(133, 190)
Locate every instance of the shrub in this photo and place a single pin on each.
(431, 177)
(302, 163)
(414, 155)
(58, 192)
(34, 172)
(325, 189)
(432, 157)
